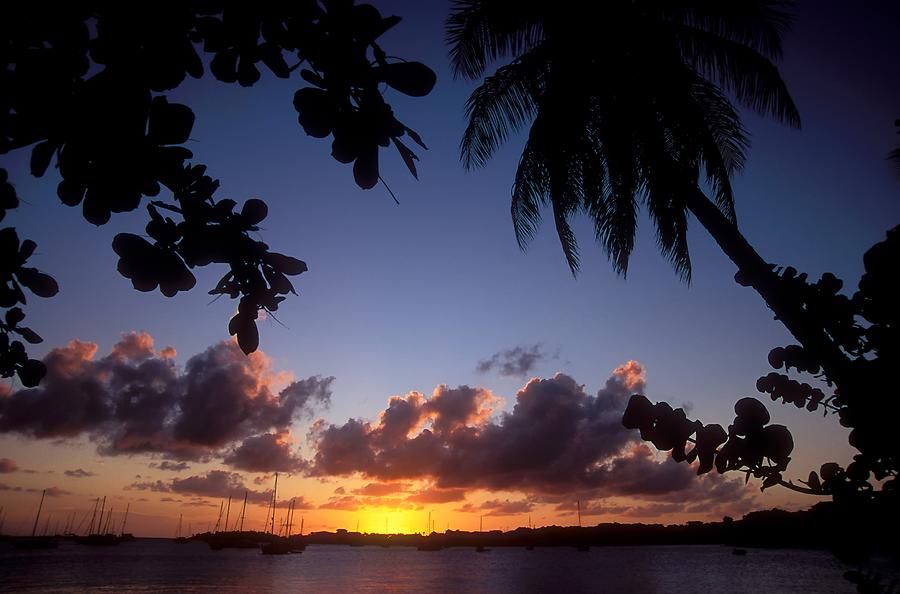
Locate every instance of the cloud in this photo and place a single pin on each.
(557, 437)
(269, 452)
(378, 489)
(50, 491)
(156, 486)
(215, 483)
(557, 440)
(433, 495)
(171, 466)
(136, 400)
(8, 465)
(79, 473)
(496, 507)
(342, 503)
(515, 362)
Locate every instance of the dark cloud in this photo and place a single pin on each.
(157, 486)
(215, 483)
(497, 507)
(434, 495)
(379, 489)
(557, 437)
(79, 473)
(342, 503)
(515, 362)
(269, 452)
(556, 441)
(171, 466)
(135, 400)
(8, 465)
(50, 491)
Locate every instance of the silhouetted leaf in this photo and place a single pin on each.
(41, 155)
(29, 335)
(285, 264)
(410, 78)
(169, 123)
(14, 316)
(254, 211)
(415, 136)
(32, 372)
(42, 285)
(409, 157)
(365, 169)
(316, 111)
(244, 327)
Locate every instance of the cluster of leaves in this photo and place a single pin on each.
(750, 444)
(14, 276)
(866, 329)
(82, 86)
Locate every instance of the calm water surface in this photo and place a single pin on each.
(161, 566)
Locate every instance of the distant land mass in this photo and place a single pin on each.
(821, 527)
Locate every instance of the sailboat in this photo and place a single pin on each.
(126, 536)
(279, 545)
(102, 537)
(34, 541)
(178, 538)
(235, 538)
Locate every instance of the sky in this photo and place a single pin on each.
(428, 364)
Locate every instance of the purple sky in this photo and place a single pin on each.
(402, 298)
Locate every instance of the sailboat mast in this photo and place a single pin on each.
(106, 525)
(301, 525)
(38, 516)
(274, 501)
(125, 519)
(243, 511)
(178, 528)
(227, 513)
(93, 516)
(578, 503)
(290, 526)
(481, 524)
(100, 519)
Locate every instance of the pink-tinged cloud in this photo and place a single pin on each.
(269, 452)
(497, 507)
(215, 483)
(434, 495)
(557, 437)
(79, 473)
(135, 400)
(557, 440)
(50, 491)
(379, 489)
(8, 465)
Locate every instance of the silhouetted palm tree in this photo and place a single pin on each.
(628, 103)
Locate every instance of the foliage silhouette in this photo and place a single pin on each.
(81, 84)
(866, 327)
(628, 104)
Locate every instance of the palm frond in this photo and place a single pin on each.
(739, 69)
(615, 217)
(480, 31)
(529, 191)
(503, 103)
(758, 24)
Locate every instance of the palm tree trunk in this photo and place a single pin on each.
(785, 303)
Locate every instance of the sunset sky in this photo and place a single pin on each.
(429, 365)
